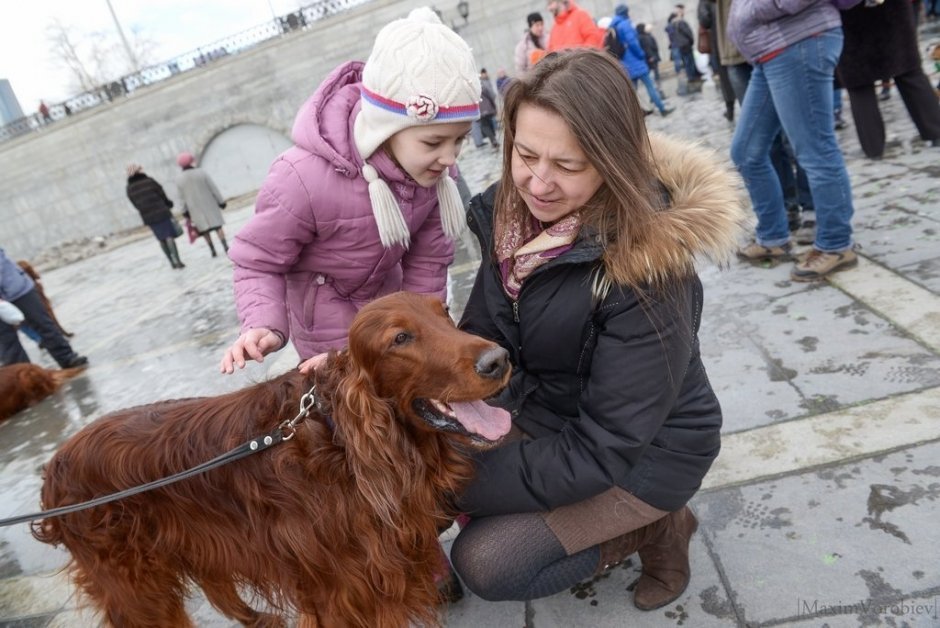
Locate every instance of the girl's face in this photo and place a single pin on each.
(549, 168)
(537, 29)
(426, 152)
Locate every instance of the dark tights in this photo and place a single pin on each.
(517, 557)
(221, 237)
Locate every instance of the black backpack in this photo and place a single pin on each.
(613, 45)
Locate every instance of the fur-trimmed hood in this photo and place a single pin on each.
(706, 215)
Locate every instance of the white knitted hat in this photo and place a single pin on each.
(420, 73)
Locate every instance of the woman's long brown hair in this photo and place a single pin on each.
(592, 93)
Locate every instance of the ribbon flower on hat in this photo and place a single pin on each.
(422, 107)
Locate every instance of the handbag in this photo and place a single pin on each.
(191, 230)
(704, 41)
(177, 229)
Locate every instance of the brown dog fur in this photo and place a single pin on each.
(24, 385)
(339, 525)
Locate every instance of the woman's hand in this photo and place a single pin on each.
(253, 344)
(313, 363)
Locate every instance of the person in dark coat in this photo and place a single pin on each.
(18, 289)
(685, 42)
(488, 109)
(707, 19)
(881, 43)
(148, 197)
(650, 49)
(588, 282)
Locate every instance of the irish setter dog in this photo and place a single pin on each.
(24, 385)
(339, 524)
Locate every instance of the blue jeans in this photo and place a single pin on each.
(688, 60)
(651, 89)
(793, 92)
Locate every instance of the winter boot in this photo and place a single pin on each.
(665, 559)
(165, 247)
(174, 254)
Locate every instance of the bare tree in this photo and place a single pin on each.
(64, 48)
(96, 58)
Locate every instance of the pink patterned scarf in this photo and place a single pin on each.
(523, 246)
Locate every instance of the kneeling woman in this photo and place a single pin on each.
(587, 279)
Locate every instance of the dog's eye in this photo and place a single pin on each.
(402, 338)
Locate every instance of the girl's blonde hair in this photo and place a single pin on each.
(590, 90)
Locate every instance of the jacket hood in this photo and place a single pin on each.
(324, 123)
(705, 217)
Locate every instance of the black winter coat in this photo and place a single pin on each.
(613, 394)
(650, 48)
(880, 43)
(149, 198)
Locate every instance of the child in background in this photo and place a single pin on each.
(365, 203)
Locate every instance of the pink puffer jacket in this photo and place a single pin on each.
(310, 257)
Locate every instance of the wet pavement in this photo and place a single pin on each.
(822, 509)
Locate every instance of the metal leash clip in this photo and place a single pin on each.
(307, 402)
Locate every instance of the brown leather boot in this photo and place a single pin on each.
(665, 558)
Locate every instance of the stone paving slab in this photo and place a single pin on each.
(864, 532)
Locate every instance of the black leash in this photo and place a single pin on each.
(284, 432)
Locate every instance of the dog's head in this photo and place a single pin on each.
(404, 349)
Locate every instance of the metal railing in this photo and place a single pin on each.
(128, 84)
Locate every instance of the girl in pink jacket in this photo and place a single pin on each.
(365, 203)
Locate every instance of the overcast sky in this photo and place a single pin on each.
(175, 26)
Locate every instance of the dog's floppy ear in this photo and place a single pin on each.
(374, 439)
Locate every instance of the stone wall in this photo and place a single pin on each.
(66, 181)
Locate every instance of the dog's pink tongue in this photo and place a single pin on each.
(483, 419)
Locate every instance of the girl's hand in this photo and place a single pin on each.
(253, 344)
(313, 363)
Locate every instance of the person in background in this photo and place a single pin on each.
(365, 203)
(17, 289)
(634, 58)
(707, 19)
(685, 42)
(202, 201)
(674, 53)
(881, 43)
(794, 53)
(149, 199)
(488, 109)
(532, 44)
(574, 27)
(650, 49)
(44, 112)
(588, 281)
(502, 81)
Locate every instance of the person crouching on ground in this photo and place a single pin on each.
(588, 281)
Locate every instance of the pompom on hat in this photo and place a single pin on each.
(133, 169)
(185, 159)
(420, 73)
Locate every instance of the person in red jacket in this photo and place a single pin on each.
(574, 27)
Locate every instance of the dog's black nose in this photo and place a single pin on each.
(493, 363)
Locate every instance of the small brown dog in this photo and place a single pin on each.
(24, 385)
(29, 270)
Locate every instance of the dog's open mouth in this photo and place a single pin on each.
(475, 419)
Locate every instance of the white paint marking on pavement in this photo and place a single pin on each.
(855, 432)
(904, 303)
